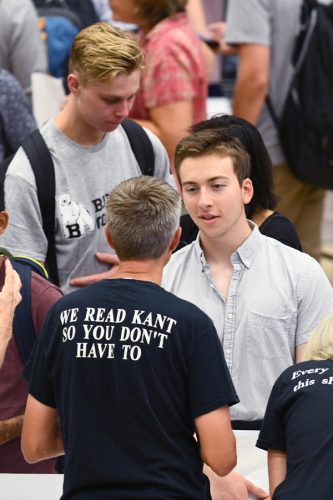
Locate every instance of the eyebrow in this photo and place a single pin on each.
(211, 179)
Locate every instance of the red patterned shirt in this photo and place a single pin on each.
(175, 69)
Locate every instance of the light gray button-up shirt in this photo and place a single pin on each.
(276, 296)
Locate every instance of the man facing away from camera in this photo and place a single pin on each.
(125, 372)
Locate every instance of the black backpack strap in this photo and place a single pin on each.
(141, 146)
(23, 327)
(33, 264)
(42, 165)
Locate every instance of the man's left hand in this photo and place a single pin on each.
(106, 258)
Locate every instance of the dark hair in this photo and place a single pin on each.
(210, 141)
(261, 165)
(152, 12)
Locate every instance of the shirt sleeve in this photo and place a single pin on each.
(41, 386)
(43, 295)
(272, 435)
(315, 299)
(210, 385)
(248, 22)
(24, 235)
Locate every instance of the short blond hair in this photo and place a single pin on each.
(320, 345)
(142, 216)
(102, 52)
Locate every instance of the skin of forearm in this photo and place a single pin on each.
(10, 429)
(5, 337)
(249, 100)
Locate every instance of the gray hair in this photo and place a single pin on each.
(142, 216)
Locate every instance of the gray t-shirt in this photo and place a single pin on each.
(84, 177)
(273, 23)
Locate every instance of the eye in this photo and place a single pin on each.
(190, 189)
(218, 186)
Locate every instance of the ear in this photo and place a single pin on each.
(175, 240)
(4, 218)
(73, 83)
(108, 237)
(247, 189)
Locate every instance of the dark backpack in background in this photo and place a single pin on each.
(306, 124)
(42, 165)
(85, 10)
(23, 326)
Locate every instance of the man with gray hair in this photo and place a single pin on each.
(132, 371)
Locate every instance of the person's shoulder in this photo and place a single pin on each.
(285, 251)
(277, 226)
(156, 142)
(40, 285)
(19, 166)
(186, 310)
(181, 257)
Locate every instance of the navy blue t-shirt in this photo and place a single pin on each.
(129, 366)
(299, 421)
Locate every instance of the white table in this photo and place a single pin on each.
(31, 486)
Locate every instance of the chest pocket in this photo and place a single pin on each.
(268, 337)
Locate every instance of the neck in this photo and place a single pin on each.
(70, 123)
(219, 250)
(261, 215)
(143, 270)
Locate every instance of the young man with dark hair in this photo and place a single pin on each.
(126, 372)
(264, 298)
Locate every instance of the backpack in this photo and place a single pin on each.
(42, 165)
(23, 326)
(59, 25)
(306, 124)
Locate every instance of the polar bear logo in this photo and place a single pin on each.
(76, 219)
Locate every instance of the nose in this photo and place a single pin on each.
(204, 200)
(123, 109)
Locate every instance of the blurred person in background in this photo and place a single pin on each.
(22, 51)
(173, 88)
(16, 119)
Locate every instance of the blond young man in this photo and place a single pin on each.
(91, 154)
(263, 297)
(131, 371)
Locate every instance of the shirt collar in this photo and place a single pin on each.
(246, 252)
